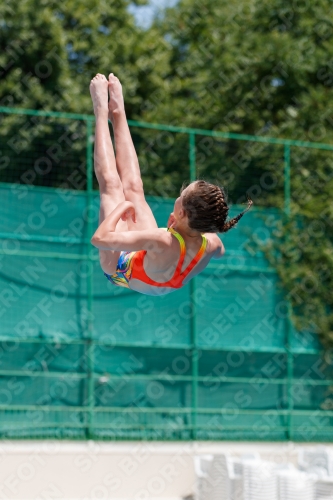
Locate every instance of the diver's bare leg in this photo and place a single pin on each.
(127, 160)
(110, 186)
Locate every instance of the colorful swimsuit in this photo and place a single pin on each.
(124, 270)
(130, 265)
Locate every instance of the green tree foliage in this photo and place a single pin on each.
(259, 67)
(248, 66)
(51, 50)
(302, 249)
(49, 53)
(253, 67)
(264, 67)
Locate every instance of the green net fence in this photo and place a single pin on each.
(80, 358)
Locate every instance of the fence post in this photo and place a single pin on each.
(287, 179)
(89, 337)
(192, 158)
(193, 285)
(290, 369)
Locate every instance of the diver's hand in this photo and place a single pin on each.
(128, 211)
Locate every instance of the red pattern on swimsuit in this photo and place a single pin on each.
(176, 281)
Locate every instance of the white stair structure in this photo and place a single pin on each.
(222, 479)
(324, 488)
(296, 485)
(259, 480)
(318, 460)
(202, 466)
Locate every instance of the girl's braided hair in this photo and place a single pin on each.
(206, 208)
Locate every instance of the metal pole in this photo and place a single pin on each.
(287, 201)
(287, 179)
(195, 370)
(193, 285)
(172, 128)
(290, 374)
(193, 173)
(90, 344)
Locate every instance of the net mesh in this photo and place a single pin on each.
(81, 358)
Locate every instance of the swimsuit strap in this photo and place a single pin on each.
(182, 251)
(176, 281)
(193, 262)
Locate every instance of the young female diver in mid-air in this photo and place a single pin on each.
(134, 252)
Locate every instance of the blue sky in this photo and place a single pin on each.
(144, 14)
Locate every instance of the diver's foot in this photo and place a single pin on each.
(116, 101)
(99, 94)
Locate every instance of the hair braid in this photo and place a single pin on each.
(232, 222)
(207, 209)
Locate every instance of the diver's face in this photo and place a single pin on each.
(177, 206)
(174, 216)
(178, 210)
(178, 203)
